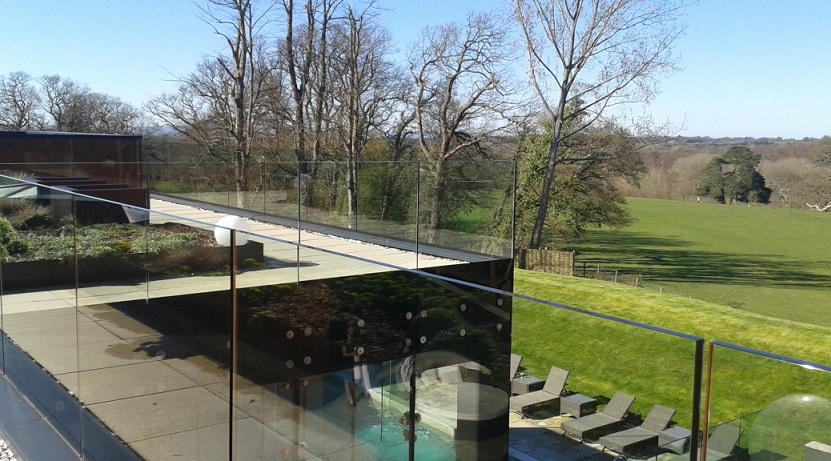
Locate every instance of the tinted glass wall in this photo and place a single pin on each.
(106, 166)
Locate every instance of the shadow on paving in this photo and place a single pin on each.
(541, 443)
(660, 259)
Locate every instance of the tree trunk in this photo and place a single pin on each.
(437, 201)
(551, 166)
(352, 192)
(545, 196)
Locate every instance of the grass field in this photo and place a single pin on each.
(770, 261)
(604, 356)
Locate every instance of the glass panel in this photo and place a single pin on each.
(781, 405)
(281, 186)
(115, 160)
(185, 170)
(600, 365)
(39, 170)
(156, 364)
(723, 440)
(39, 329)
(153, 310)
(322, 364)
(174, 168)
(461, 346)
(255, 197)
(461, 203)
(323, 194)
(387, 203)
(217, 184)
(387, 199)
(175, 179)
(426, 181)
(110, 316)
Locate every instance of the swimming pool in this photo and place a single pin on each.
(387, 442)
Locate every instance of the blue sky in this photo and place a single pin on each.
(750, 67)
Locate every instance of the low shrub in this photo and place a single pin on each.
(171, 187)
(66, 242)
(10, 242)
(25, 214)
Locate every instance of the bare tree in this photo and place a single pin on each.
(236, 22)
(109, 114)
(591, 55)
(19, 101)
(218, 105)
(822, 186)
(322, 92)
(65, 102)
(689, 171)
(785, 176)
(305, 59)
(298, 74)
(361, 87)
(71, 106)
(459, 73)
(196, 108)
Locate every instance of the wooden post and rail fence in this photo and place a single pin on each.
(562, 263)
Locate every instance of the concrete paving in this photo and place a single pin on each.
(541, 438)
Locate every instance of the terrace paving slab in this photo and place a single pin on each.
(210, 443)
(126, 328)
(115, 383)
(107, 311)
(25, 302)
(82, 331)
(153, 415)
(202, 370)
(307, 257)
(542, 439)
(21, 321)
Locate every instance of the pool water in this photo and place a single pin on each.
(388, 442)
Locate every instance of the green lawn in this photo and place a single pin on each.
(604, 356)
(770, 261)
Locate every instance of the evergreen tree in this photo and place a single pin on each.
(734, 177)
(583, 193)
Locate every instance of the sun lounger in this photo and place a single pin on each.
(516, 381)
(610, 419)
(550, 393)
(720, 444)
(515, 360)
(817, 451)
(637, 439)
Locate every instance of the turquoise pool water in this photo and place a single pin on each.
(388, 444)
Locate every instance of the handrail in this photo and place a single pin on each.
(780, 358)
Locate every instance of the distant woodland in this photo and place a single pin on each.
(797, 171)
